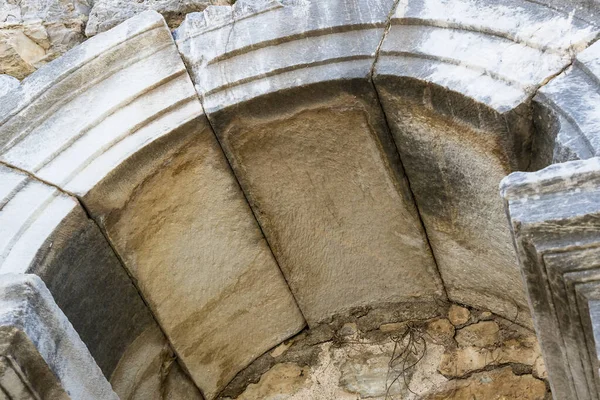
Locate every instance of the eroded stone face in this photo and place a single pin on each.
(335, 209)
(203, 264)
(300, 123)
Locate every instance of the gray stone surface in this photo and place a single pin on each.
(41, 355)
(7, 83)
(47, 233)
(106, 14)
(568, 112)
(34, 32)
(554, 217)
(455, 78)
(148, 168)
(300, 123)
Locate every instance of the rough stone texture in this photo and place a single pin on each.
(151, 358)
(146, 165)
(34, 32)
(7, 83)
(567, 113)
(301, 126)
(41, 355)
(455, 78)
(47, 233)
(458, 315)
(499, 384)
(106, 14)
(408, 363)
(554, 216)
(481, 334)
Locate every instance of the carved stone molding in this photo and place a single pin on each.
(41, 355)
(555, 219)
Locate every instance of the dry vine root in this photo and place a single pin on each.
(409, 350)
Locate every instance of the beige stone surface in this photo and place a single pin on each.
(409, 363)
(481, 334)
(147, 166)
(458, 315)
(334, 207)
(190, 241)
(500, 384)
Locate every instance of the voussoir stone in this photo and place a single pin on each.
(455, 79)
(567, 113)
(46, 232)
(106, 14)
(149, 170)
(34, 32)
(299, 120)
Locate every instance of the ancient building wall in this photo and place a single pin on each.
(210, 194)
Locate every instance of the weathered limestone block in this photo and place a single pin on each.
(454, 78)
(298, 118)
(41, 355)
(568, 112)
(45, 232)
(554, 215)
(106, 14)
(148, 168)
(33, 32)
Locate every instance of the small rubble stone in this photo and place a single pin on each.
(441, 330)
(539, 369)
(348, 329)
(498, 384)
(463, 360)
(481, 334)
(458, 315)
(279, 381)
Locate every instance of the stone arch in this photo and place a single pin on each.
(312, 118)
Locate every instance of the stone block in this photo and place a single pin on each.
(299, 121)
(106, 14)
(46, 232)
(149, 170)
(554, 216)
(567, 113)
(454, 78)
(41, 355)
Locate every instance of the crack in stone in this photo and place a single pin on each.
(388, 127)
(91, 218)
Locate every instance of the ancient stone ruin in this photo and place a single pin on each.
(299, 199)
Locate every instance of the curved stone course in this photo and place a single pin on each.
(320, 172)
(105, 125)
(568, 111)
(211, 195)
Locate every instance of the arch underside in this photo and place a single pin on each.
(229, 187)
